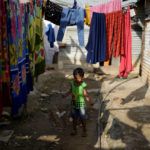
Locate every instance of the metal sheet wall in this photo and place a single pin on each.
(146, 55)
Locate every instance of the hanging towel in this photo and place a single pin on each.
(96, 45)
(126, 59)
(72, 17)
(108, 7)
(53, 12)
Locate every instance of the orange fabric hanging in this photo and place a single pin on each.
(118, 34)
(114, 34)
(109, 34)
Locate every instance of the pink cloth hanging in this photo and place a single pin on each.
(126, 59)
(109, 7)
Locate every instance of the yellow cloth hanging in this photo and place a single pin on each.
(87, 20)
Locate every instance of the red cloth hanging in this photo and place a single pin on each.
(126, 59)
(109, 34)
(114, 34)
(118, 48)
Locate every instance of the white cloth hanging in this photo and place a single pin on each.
(49, 51)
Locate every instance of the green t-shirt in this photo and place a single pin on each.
(78, 95)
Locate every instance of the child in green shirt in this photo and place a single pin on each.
(79, 94)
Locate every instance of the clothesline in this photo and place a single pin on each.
(124, 4)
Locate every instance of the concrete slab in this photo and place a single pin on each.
(125, 120)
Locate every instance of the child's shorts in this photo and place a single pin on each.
(78, 113)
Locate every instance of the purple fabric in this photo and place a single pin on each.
(75, 4)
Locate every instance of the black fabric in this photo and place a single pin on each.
(53, 12)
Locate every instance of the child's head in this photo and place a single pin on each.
(78, 74)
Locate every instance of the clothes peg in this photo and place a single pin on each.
(124, 10)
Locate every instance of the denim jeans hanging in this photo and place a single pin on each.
(72, 17)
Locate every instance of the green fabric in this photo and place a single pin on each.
(35, 41)
(78, 95)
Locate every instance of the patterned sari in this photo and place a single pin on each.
(0, 58)
(5, 96)
(18, 54)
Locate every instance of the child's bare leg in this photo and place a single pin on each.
(84, 128)
(74, 132)
(84, 125)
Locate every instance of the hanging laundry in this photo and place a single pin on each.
(108, 7)
(35, 40)
(49, 51)
(114, 34)
(126, 59)
(1, 18)
(50, 34)
(110, 20)
(39, 44)
(87, 19)
(53, 12)
(31, 38)
(72, 17)
(96, 45)
(79, 4)
(19, 58)
(6, 92)
(15, 50)
(74, 4)
(25, 44)
(118, 47)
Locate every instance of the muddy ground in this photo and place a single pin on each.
(42, 128)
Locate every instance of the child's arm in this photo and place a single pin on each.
(87, 97)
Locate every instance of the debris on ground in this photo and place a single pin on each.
(45, 110)
(6, 135)
(60, 114)
(44, 95)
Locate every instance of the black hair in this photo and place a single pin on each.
(78, 71)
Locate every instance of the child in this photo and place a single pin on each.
(78, 91)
